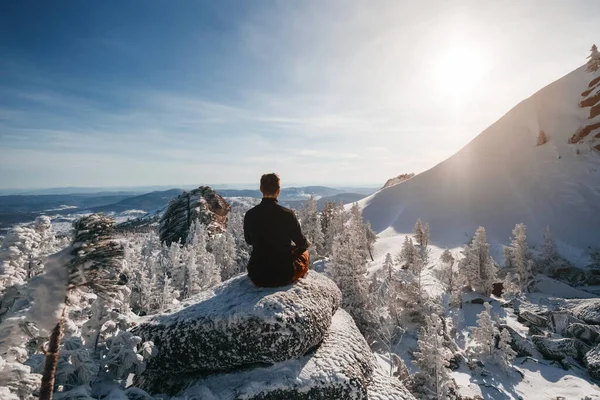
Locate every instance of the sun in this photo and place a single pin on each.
(459, 71)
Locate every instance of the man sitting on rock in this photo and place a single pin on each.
(270, 229)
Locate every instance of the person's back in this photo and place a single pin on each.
(270, 229)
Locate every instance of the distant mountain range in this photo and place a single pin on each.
(24, 208)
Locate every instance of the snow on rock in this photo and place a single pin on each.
(384, 387)
(237, 324)
(592, 359)
(590, 334)
(586, 310)
(533, 319)
(202, 204)
(518, 343)
(559, 349)
(340, 368)
(553, 287)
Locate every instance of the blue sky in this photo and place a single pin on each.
(127, 93)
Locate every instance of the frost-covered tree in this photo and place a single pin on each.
(222, 247)
(235, 226)
(594, 63)
(95, 262)
(521, 256)
(408, 254)
(333, 224)
(348, 267)
(312, 228)
(477, 267)
(450, 274)
(506, 354)
(542, 138)
(432, 358)
(484, 334)
(23, 250)
(205, 268)
(421, 235)
(388, 266)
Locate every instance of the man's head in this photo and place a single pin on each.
(269, 185)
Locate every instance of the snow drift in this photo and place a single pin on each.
(504, 177)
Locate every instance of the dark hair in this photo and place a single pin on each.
(269, 184)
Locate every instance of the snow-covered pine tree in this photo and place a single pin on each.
(506, 354)
(408, 254)
(484, 334)
(549, 255)
(222, 246)
(334, 217)
(388, 266)
(23, 250)
(450, 274)
(311, 227)
(594, 63)
(432, 359)
(347, 267)
(477, 267)
(208, 273)
(96, 264)
(521, 256)
(508, 257)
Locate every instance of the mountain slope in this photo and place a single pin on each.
(502, 178)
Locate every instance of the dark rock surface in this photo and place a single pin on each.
(202, 204)
(237, 324)
(586, 310)
(592, 359)
(590, 334)
(340, 368)
(533, 319)
(559, 349)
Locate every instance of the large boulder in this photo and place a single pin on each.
(587, 333)
(592, 360)
(340, 368)
(559, 321)
(559, 349)
(533, 318)
(237, 324)
(202, 204)
(586, 310)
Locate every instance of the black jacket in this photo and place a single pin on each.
(270, 228)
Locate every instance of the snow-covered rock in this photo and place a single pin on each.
(533, 319)
(586, 310)
(588, 333)
(592, 360)
(237, 324)
(559, 349)
(519, 343)
(559, 321)
(340, 368)
(203, 204)
(384, 387)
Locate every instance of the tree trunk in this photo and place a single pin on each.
(47, 387)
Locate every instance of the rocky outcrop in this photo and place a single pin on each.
(533, 319)
(237, 341)
(590, 334)
(398, 179)
(586, 310)
(559, 321)
(202, 204)
(237, 324)
(559, 349)
(592, 360)
(518, 343)
(340, 368)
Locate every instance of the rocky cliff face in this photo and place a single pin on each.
(237, 341)
(202, 204)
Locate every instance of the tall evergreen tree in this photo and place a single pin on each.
(594, 63)
(484, 334)
(477, 267)
(521, 256)
(432, 358)
(311, 227)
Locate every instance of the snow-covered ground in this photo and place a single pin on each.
(502, 178)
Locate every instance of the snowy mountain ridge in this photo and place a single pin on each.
(502, 177)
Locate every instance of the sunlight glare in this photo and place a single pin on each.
(459, 71)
